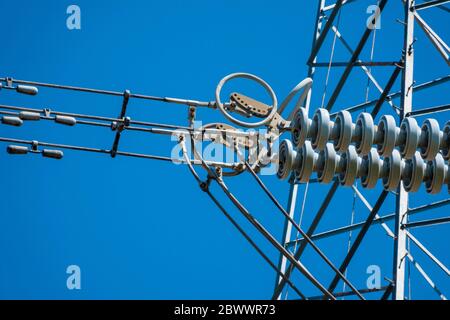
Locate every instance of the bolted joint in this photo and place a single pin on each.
(120, 125)
(411, 47)
(114, 125)
(191, 115)
(204, 186)
(34, 145)
(192, 112)
(9, 81)
(219, 172)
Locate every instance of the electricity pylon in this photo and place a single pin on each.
(396, 153)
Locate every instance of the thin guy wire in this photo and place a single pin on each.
(371, 59)
(305, 236)
(240, 229)
(331, 60)
(352, 219)
(301, 217)
(297, 264)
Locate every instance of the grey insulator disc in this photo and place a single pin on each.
(437, 170)
(447, 177)
(370, 176)
(287, 158)
(351, 159)
(388, 128)
(300, 127)
(321, 120)
(328, 158)
(430, 128)
(306, 165)
(344, 122)
(394, 171)
(367, 129)
(409, 134)
(413, 173)
(446, 141)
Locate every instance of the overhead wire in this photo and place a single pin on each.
(188, 102)
(302, 210)
(304, 235)
(331, 61)
(372, 50)
(107, 151)
(297, 264)
(350, 234)
(234, 222)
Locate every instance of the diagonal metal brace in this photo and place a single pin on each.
(359, 238)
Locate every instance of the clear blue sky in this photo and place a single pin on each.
(142, 229)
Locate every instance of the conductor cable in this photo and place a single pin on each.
(233, 222)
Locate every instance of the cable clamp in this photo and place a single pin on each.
(120, 125)
(9, 82)
(34, 145)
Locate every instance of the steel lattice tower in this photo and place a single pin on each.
(325, 24)
(309, 150)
